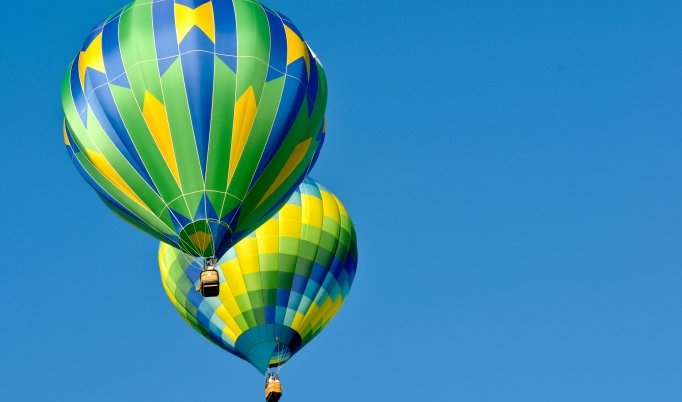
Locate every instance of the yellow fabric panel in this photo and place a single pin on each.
(169, 293)
(154, 113)
(231, 329)
(342, 209)
(290, 212)
(233, 277)
(313, 214)
(290, 221)
(247, 254)
(290, 228)
(247, 245)
(296, 48)
(231, 306)
(229, 334)
(297, 322)
(338, 303)
(92, 57)
(104, 167)
(268, 244)
(294, 160)
(317, 318)
(326, 315)
(231, 309)
(321, 309)
(244, 115)
(163, 266)
(269, 228)
(331, 206)
(309, 315)
(241, 321)
(268, 237)
(202, 17)
(249, 262)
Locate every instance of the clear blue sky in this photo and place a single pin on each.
(513, 170)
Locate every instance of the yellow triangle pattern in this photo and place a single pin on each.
(104, 167)
(244, 115)
(154, 113)
(187, 18)
(294, 160)
(296, 48)
(92, 57)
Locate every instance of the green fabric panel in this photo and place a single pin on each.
(256, 298)
(268, 280)
(229, 204)
(243, 302)
(144, 143)
(270, 296)
(72, 118)
(285, 150)
(259, 313)
(345, 240)
(265, 116)
(180, 205)
(221, 128)
(136, 39)
(308, 248)
(182, 133)
(285, 280)
(253, 281)
(269, 262)
(253, 33)
(241, 322)
(331, 226)
(193, 202)
(134, 207)
(304, 266)
(324, 257)
(289, 246)
(311, 235)
(192, 320)
(147, 228)
(328, 241)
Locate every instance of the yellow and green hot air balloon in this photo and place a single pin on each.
(280, 285)
(194, 120)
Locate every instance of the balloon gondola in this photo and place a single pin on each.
(273, 388)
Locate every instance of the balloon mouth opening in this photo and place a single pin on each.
(267, 346)
(197, 239)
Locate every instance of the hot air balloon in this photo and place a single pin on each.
(280, 286)
(194, 120)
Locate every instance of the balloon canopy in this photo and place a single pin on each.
(194, 120)
(280, 286)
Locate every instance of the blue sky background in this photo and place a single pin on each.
(513, 171)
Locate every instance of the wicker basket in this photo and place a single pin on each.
(273, 391)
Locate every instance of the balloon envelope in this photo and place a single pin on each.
(194, 120)
(279, 286)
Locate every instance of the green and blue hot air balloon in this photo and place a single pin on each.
(194, 120)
